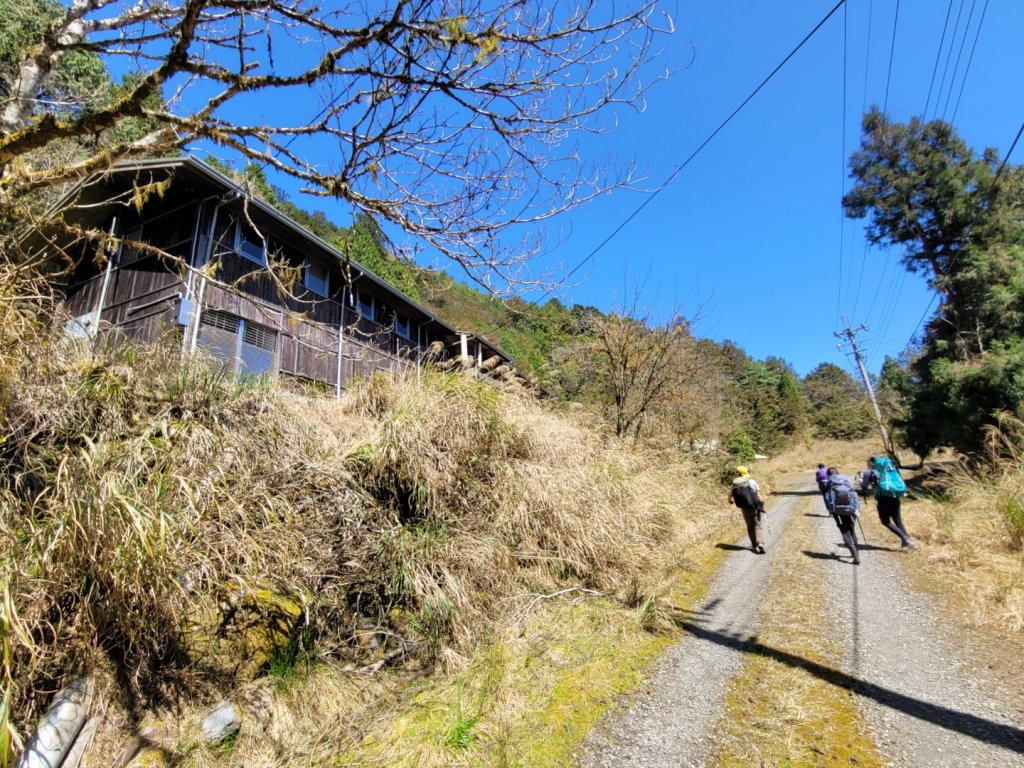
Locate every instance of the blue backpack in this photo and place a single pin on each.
(889, 481)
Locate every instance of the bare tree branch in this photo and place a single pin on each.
(456, 121)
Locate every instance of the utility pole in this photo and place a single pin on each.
(850, 334)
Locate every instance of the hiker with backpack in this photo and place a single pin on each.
(841, 500)
(746, 495)
(868, 478)
(889, 489)
(821, 478)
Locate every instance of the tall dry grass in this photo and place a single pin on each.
(971, 515)
(147, 500)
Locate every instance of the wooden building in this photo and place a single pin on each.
(203, 274)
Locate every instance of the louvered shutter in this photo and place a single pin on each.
(259, 347)
(218, 334)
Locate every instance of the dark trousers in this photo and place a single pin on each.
(755, 526)
(889, 516)
(846, 523)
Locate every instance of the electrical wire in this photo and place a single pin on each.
(867, 58)
(970, 59)
(938, 55)
(949, 57)
(863, 109)
(892, 50)
(917, 327)
(679, 168)
(842, 177)
(881, 281)
(1008, 153)
(959, 55)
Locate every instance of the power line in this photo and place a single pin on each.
(924, 314)
(894, 304)
(679, 168)
(863, 109)
(959, 54)
(949, 57)
(881, 280)
(892, 50)
(842, 178)
(938, 55)
(970, 59)
(1008, 153)
(867, 58)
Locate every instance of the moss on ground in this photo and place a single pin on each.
(780, 715)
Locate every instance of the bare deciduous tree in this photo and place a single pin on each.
(640, 364)
(454, 120)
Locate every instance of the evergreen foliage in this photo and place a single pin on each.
(961, 223)
(838, 406)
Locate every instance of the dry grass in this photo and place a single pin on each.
(799, 463)
(151, 508)
(971, 520)
(779, 714)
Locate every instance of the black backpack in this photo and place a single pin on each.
(744, 496)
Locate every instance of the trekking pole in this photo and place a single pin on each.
(862, 530)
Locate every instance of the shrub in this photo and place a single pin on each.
(158, 516)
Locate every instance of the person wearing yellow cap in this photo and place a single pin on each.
(746, 495)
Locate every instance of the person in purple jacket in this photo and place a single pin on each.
(821, 476)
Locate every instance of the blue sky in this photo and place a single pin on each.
(750, 236)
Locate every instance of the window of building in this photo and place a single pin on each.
(250, 245)
(403, 327)
(130, 255)
(365, 305)
(317, 278)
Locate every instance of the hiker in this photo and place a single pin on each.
(841, 500)
(868, 478)
(889, 489)
(821, 477)
(746, 495)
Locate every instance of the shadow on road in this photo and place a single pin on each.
(811, 514)
(810, 492)
(821, 555)
(979, 728)
(732, 547)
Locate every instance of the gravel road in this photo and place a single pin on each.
(927, 704)
(669, 723)
(927, 700)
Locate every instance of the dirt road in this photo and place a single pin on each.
(924, 700)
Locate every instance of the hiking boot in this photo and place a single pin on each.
(908, 544)
(759, 549)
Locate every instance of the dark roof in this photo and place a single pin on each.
(206, 172)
